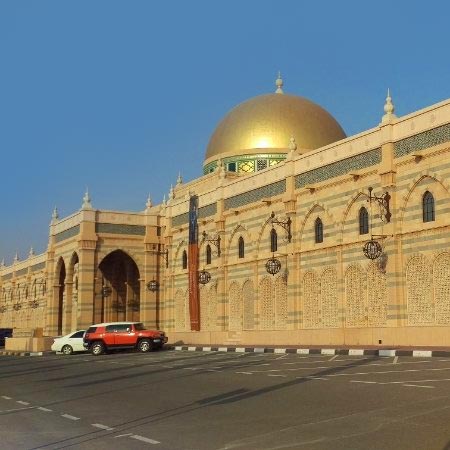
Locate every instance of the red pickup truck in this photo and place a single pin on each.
(102, 337)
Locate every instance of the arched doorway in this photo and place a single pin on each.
(119, 286)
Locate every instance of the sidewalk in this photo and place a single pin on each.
(368, 350)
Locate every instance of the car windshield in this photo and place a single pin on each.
(139, 326)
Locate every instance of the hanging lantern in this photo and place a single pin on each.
(372, 249)
(106, 291)
(152, 286)
(204, 277)
(273, 265)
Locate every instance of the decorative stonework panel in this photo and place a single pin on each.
(255, 195)
(37, 267)
(207, 211)
(181, 219)
(204, 309)
(311, 301)
(115, 228)
(355, 307)
(281, 309)
(441, 281)
(266, 310)
(248, 294)
(213, 307)
(235, 311)
(180, 310)
(376, 296)
(419, 291)
(436, 136)
(329, 297)
(66, 234)
(338, 168)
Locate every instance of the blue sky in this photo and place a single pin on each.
(120, 96)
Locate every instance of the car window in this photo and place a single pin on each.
(91, 330)
(78, 334)
(139, 326)
(118, 328)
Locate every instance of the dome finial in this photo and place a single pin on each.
(388, 109)
(279, 84)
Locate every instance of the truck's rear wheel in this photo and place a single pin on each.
(98, 348)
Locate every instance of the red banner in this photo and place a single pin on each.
(194, 297)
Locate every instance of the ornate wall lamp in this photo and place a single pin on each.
(373, 249)
(286, 225)
(204, 277)
(273, 265)
(215, 241)
(152, 286)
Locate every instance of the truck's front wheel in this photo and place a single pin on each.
(144, 345)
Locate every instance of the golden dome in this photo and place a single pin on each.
(265, 124)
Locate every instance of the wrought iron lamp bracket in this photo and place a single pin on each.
(286, 225)
(214, 241)
(383, 202)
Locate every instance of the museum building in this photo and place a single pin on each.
(295, 235)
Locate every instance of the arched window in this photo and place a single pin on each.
(184, 260)
(241, 249)
(428, 207)
(273, 241)
(208, 254)
(318, 229)
(363, 221)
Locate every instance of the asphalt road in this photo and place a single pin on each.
(175, 400)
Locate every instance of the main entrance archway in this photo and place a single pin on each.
(117, 289)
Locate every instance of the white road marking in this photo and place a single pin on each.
(333, 357)
(102, 427)
(395, 360)
(245, 373)
(364, 382)
(122, 435)
(22, 402)
(281, 357)
(68, 416)
(275, 375)
(144, 439)
(41, 408)
(6, 398)
(418, 385)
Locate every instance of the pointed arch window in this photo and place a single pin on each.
(208, 254)
(363, 221)
(428, 207)
(241, 247)
(318, 230)
(273, 240)
(184, 260)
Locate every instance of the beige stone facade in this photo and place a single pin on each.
(98, 263)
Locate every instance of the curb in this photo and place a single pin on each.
(14, 353)
(319, 351)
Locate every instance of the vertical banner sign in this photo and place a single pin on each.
(194, 300)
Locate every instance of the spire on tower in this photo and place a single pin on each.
(388, 109)
(279, 84)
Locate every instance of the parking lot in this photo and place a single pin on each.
(213, 400)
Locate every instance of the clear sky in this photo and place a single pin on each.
(121, 95)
